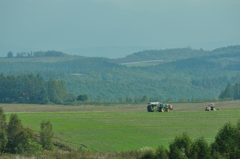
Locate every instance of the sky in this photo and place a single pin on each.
(167, 4)
(116, 28)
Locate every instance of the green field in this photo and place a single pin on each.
(126, 127)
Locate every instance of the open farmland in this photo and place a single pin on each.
(126, 127)
(145, 63)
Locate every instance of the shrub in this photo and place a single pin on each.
(227, 141)
(216, 155)
(175, 153)
(180, 147)
(148, 155)
(27, 142)
(82, 97)
(200, 149)
(32, 147)
(3, 123)
(161, 153)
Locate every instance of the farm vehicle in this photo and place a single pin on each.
(211, 107)
(159, 107)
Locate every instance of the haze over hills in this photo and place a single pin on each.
(115, 29)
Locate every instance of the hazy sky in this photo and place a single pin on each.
(117, 27)
(166, 4)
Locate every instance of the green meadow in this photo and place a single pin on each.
(126, 127)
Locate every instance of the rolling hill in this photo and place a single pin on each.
(184, 74)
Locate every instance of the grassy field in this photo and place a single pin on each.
(126, 127)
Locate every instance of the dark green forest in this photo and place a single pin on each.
(185, 74)
(31, 89)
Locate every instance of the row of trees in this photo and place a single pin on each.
(145, 99)
(37, 54)
(231, 91)
(167, 54)
(14, 138)
(225, 146)
(35, 89)
(30, 89)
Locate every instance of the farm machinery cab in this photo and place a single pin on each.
(159, 107)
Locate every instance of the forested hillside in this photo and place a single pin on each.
(187, 74)
(178, 54)
(168, 54)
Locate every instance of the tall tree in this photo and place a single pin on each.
(144, 99)
(228, 92)
(236, 90)
(3, 140)
(56, 90)
(200, 149)
(3, 122)
(46, 135)
(13, 129)
(9, 54)
(3, 126)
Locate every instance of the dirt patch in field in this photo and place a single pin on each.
(11, 108)
(177, 107)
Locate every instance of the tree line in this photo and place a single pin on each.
(180, 53)
(51, 53)
(30, 89)
(35, 89)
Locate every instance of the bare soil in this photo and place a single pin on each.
(177, 107)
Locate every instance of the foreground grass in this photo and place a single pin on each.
(123, 130)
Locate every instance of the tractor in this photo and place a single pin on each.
(159, 107)
(153, 106)
(210, 107)
(165, 107)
